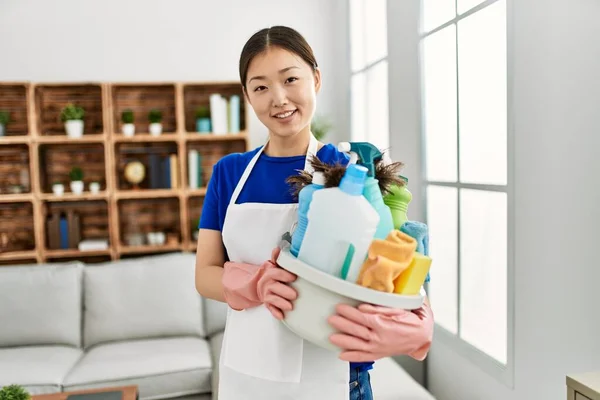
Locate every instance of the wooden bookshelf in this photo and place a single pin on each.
(35, 153)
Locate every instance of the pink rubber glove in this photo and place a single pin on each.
(247, 285)
(368, 333)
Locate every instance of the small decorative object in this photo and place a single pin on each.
(76, 176)
(135, 172)
(203, 119)
(15, 189)
(320, 126)
(155, 118)
(95, 187)
(4, 120)
(135, 239)
(156, 238)
(128, 127)
(72, 115)
(58, 189)
(14, 392)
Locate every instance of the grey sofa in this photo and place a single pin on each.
(136, 321)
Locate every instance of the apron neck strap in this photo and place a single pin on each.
(313, 146)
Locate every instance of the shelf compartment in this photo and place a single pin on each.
(56, 163)
(13, 98)
(140, 217)
(146, 249)
(207, 154)
(194, 213)
(50, 100)
(68, 223)
(16, 227)
(160, 161)
(15, 176)
(198, 95)
(141, 99)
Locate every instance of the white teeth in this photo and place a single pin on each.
(287, 114)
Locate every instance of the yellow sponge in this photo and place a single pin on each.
(412, 278)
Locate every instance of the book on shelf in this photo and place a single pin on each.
(163, 171)
(224, 114)
(195, 180)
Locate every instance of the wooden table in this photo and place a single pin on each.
(129, 393)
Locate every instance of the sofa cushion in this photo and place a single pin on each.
(215, 314)
(41, 305)
(216, 343)
(161, 368)
(141, 298)
(40, 369)
(391, 382)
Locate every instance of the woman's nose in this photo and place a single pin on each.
(279, 98)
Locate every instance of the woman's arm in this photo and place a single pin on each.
(210, 257)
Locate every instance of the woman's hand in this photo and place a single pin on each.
(246, 286)
(368, 333)
(273, 289)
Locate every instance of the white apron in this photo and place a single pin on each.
(261, 359)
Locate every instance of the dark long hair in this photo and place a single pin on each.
(278, 36)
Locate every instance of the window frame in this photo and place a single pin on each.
(501, 372)
(368, 66)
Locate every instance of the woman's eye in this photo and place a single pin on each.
(260, 88)
(291, 79)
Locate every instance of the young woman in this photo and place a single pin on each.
(247, 208)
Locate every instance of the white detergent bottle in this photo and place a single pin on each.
(341, 226)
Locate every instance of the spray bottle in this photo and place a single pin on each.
(398, 200)
(367, 154)
(304, 199)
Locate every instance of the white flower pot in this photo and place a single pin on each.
(155, 129)
(74, 128)
(128, 130)
(77, 187)
(58, 189)
(95, 187)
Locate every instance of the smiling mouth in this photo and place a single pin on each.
(285, 115)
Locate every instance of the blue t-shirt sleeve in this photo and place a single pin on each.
(210, 209)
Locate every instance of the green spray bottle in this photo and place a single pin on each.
(398, 200)
(365, 154)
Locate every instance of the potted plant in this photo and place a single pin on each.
(94, 187)
(4, 120)
(320, 126)
(155, 118)
(203, 119)
(76, 176)
(58, 188)
(128, 128)
(14, 392)
(72, 115)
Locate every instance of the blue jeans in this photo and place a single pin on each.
(360, 385)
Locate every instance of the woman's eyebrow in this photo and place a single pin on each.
(281, 71)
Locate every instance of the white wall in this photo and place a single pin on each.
(150, 40)
(555, 103)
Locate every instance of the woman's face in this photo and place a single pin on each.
(282, 88)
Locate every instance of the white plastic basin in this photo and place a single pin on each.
(318, 295)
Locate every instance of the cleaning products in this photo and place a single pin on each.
(304, 200)
(367, 155)
(387, 260)
(410, 281)
(341, 227)
(398, 200)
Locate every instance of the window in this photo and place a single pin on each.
(369, 65)
(465, 133)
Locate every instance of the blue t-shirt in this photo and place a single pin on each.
(266, 184)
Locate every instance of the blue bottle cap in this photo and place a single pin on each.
(353, 181)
